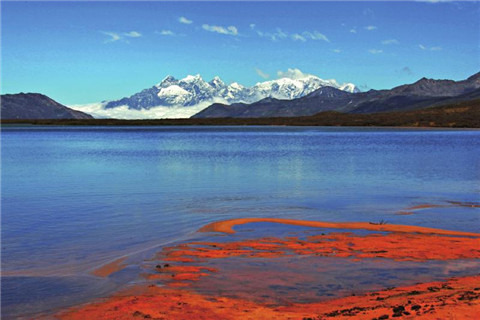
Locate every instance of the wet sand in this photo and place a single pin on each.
(449, 204)
(456, 298)
(227, 226)
(109, 268)
(171, 290)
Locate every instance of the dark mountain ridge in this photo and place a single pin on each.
(36, 106)
(421, 94)
(464, 114)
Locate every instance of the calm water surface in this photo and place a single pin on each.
(74, 198)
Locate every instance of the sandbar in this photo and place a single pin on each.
(226, 226)
(109, 268)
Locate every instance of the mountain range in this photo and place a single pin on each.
(173, 98)
(421, 94)
(36, 106)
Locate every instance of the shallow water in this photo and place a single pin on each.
(74, 198)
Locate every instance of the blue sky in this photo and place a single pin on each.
(81, 52)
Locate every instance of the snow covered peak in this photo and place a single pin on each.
(191, 78)
(174, 95)
(169, 78)
(193, 92)
(173, 90)
(217, 83)
(349, 87)
(167, 81)
(236, 85)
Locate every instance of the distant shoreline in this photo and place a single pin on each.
(133, 123)
(459, 115)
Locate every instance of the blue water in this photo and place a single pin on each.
(76, 197)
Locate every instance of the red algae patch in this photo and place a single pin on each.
(397, 246)
(226, 226)
(457, 298)
(175, 276)
(187, 267)
(110, 268)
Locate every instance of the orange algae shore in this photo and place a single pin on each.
(400, 247)
(226, 226)
(186, 263)
(457, 298)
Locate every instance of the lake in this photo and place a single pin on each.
(74, 198)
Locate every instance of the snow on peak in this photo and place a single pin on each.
(191, 78)
(236, 85)
(169, 78)
(349, 87)
(193, 92)
(172, 90)
(217, 82)
(174, 95)
(167, 81)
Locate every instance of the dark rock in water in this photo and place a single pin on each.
(36, 106)
(398, 311)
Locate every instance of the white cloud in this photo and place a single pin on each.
(281, 34)
(230, 30)
(275, 36)
(98, 111)
(304, 36)
(353, 30)
(166, 33)
(292, 74)
(133, 34)
(184, 20)
(315, 35)
(297, 37)
(370, 28)
(375, 51)
(390, 41)
(113, 36)
(252, 26)
(262, 74)
(437, 48)
(337, 50)
(117, 36)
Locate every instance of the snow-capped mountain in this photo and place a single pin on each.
(173, 98)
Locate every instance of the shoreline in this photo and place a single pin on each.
(135, 124)
(455, 298)
(171, 280)
(449, 116)
(226, 226)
